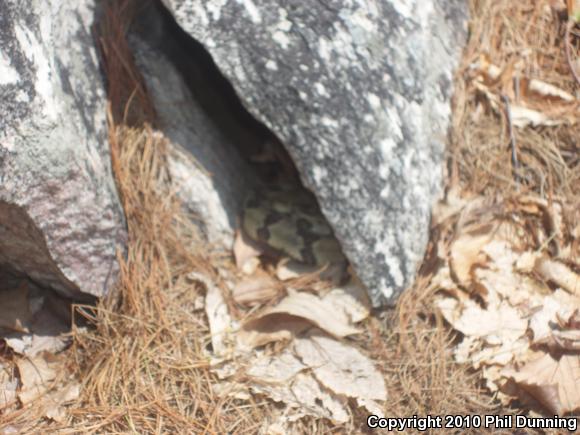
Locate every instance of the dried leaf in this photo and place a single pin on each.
(270, 328)
(256, 290)
(537, 104)
(36, 377)
(500, 354)
(566, 340)
(55, 401)
(246, 253)
(352, 299)
(551, 381)
(216, 309)
(560, 274)
(507, 297)
(524, 117)
(466, 252)
(539, 88)
(309, 307)
(283, 379)
(341, 368)
(280, 368)
(556, 308)
(8, 385)
(496, 324)
(315, 400)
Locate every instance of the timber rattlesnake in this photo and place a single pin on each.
(284, 219)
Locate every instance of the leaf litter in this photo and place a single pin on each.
(34, 325)
(291, 341)
(515, 302)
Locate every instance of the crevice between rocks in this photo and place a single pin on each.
(213, 92)
(264, 155)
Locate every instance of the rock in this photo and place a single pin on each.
(206, 169)
(61, 222)
(359, 93)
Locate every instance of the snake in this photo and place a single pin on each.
(287, 220)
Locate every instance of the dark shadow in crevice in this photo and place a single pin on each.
(32, 318)
(215, 94)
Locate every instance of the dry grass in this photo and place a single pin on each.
(143, 364)
(129, 102)
(508, 31)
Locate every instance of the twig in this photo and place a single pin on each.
(569, 26)
(515, 163)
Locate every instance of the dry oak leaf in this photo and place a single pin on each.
(285, 378)
(495, 325)
(256, 290)
(36, 377)
(552, 381)
(560, 274)
(246, 253)
(309, 309)
(342, 369)
(466, 253)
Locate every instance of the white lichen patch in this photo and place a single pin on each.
(386, 191)
(324, 49)
(8, 75)
(387, 290)
(361, 28)
(252, 10)
(342, 44)
(198, 15)
(320, 89)
(281, 38)
(284, 24)
(406, 7)
(214, 7)
(395, 123)
(271, 65)
(374, 101)
(22, 96)
(34, 50)
(329, 122)
(319, 173)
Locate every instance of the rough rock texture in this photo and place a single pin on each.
(206, 168)
(358, 91)
(60, 219)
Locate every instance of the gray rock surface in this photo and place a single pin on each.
(359, 94)
(206, 169)
(61, 222)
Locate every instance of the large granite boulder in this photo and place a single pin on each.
(61, 222)
(359, 93)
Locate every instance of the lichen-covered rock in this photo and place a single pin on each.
(359, 93)
(61, 222)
